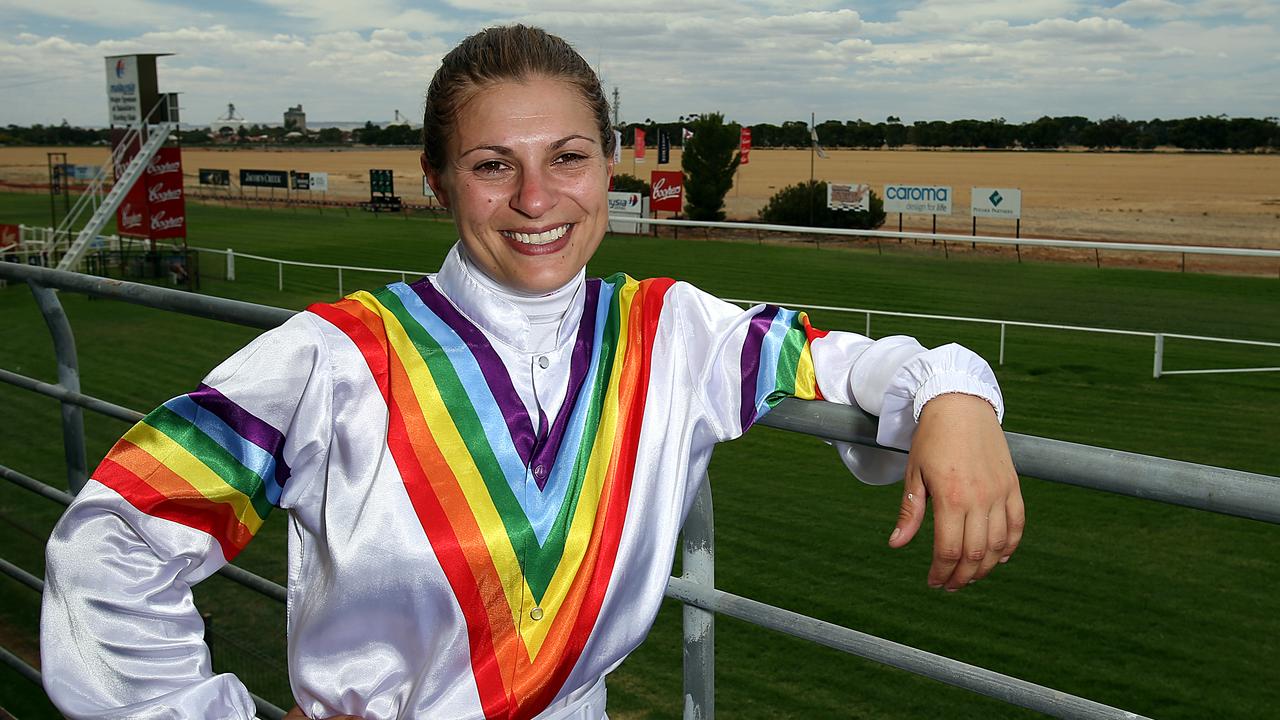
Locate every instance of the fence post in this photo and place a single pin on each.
(231, 265)
(868, 332)
(340, 282)
(64, 348)
(698, 566)
(1001, 344)
(1159, 360)
(279, 276)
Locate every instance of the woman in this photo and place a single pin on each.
(485, 470)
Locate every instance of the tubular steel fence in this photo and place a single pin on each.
(1220, 490)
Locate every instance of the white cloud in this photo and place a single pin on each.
(1091, 29)
(1138, 9)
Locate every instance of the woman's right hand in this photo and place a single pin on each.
(296, 714)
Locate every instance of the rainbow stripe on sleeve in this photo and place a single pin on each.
(463, 445)
(777, 361)
(203, 461)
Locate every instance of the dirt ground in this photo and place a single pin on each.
(1170, 198)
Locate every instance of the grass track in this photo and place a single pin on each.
(1164, 611)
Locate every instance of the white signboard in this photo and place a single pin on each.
(124, 97)
(320, 181)
(626, 204)
(917, 199)
(848, 196)
(1004, 203)
(426, 188)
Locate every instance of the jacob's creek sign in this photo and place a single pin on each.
(264, 178)
(1003, 203)
(917, 199)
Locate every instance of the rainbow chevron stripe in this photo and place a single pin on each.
(203, 461)
(777, 361)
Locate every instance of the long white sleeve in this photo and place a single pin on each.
(179, 495)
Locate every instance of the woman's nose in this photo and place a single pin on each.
(535, 192)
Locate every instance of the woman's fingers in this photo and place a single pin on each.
(997, 540)
(1017, 520)
(911, 512)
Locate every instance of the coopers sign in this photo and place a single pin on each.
(917, 199)
(1004, 203)
(666, 190)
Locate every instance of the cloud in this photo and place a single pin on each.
(1091, 29)
(1140, 9)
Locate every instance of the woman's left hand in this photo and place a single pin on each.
(960, 459)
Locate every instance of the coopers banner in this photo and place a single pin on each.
(264, 178)
(155, 207)
(744, 146)
(639, 145)
(9, 235)
(1005, 203)
(666, 190)
(917, 199)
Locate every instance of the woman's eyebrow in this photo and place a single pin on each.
(564, 140)
(504, 150)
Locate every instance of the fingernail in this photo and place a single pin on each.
(1004, 559)
(895, 534)
(953, 589)
(934, 585)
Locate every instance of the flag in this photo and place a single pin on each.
(617, 147)
(664, 148)
(813, 135)
(639, 146)
(686, 134)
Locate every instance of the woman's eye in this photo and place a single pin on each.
(490, 167)
(570, 158)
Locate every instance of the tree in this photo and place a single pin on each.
(630, 183)
(709, 161)
(796, 204)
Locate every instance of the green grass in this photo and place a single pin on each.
(1164, 611)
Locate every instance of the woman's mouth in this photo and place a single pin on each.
(537, 238)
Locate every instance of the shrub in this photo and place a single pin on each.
(630, 183)
(791, 206)
(709, 160)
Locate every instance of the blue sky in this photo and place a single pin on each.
(754, 60)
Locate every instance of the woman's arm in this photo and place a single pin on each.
(176, 498)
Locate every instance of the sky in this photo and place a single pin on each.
(753, 60)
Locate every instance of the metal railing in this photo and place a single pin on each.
(1221, 490)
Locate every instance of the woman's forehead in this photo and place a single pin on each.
(522, 111)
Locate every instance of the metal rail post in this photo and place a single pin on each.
(64, 348)
(1159, 358)
(1001, 344)
(698, 565)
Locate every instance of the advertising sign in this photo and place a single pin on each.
(617, 146)
(917, 199)
(214, 177)
(428, 192)
(744, 146)
(850, 196)
(264, 178)
(166, 205)
(1004, 203)
(625, 203)
(9, 235)
(132, 217)
(320, 181)
(124, 93)
(639, 145)
(300, 180)
(664, 148)
(666, 190)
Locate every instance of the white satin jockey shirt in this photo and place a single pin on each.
(483, 508)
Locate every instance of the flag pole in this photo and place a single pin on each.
(812, 149)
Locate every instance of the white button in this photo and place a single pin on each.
(543, 362)
(539, 471)
(536, 614)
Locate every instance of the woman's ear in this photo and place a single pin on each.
(434, 180)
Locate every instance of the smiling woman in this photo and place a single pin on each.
(485, 470)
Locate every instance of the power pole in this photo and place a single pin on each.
(615, 106)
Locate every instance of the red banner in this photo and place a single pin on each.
(666, 190)
(155, 207)
(9, 236)
(639, 145)
(744, 146)
(166, 203)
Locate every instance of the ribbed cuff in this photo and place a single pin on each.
(957, 382)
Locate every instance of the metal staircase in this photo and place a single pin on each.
(102, 205)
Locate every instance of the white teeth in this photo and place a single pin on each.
(541, 238)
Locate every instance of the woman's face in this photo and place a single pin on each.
(526, 179)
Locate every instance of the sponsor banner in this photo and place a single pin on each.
(428, 192)
(214, 177)
(666, 190)
(617, 146)
(664, 148)
(9, 236)
(744, 146)
(320, 181)
(917, 199)
(124, 93)
(848, 196)
(1004, 203)
(625, 203)
(639, 145)
(300, 180)
(166, 204)
(264, 178)
(132, 217)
